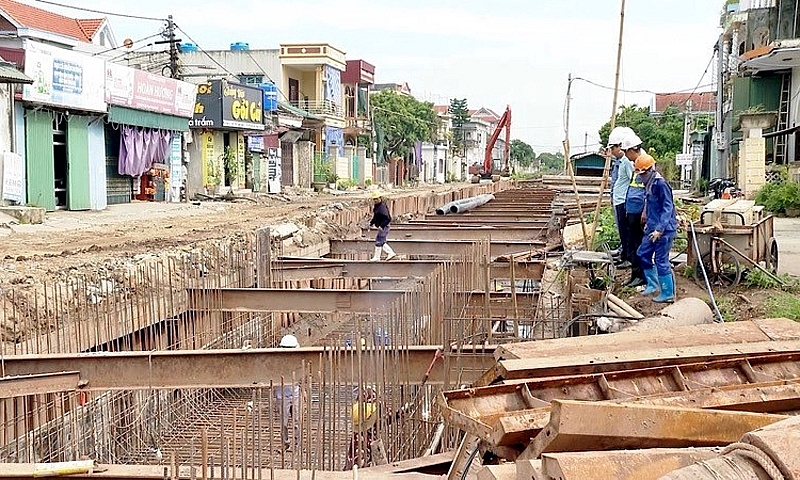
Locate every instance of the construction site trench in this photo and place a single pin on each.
(476, 349)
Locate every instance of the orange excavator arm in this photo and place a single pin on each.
(505, 122)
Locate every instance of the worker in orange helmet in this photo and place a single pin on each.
(660, 225)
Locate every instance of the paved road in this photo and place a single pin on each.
(787, 233)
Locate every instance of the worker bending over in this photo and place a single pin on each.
(381, 219)
(659, 231)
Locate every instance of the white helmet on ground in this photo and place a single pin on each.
(289, 341)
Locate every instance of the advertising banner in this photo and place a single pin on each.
(224, 105)
(133, 88)
(64, 78)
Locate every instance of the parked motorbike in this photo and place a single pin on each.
(724, 188)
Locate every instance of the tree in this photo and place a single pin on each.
(522, 153)
(460, 113)
(550, 162)
(661, 134)
(403, 121)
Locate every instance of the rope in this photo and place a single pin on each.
(755, 454)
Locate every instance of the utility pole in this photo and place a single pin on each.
(169, 38)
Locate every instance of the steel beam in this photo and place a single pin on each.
(621, 464)
(308, 300)
(585, 426)
(311, 300)
(20, 386)
(432, 247)
(432, 232)
(309, 269)
(241, 368)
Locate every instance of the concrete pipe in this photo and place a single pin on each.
(444, 209)
(686, 311)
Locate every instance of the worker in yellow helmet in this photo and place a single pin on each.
(365, 413)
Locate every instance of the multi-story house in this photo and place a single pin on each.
(357, 81)
(311, 77)
(758, 58)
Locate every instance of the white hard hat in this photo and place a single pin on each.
(289, 341)
(630, 141)
(617, 135)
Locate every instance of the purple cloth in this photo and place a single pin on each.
(139, 148)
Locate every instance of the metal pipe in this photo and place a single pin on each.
(467, 204)
(444, 209)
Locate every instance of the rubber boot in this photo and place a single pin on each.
(389, 252)
(667, 289)
(377, 255)
(651, 275)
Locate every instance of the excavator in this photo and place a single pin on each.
(488, 169)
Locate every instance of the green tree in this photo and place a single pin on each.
(661, 134)
(522, 153)
(403, 121)
(459, 111)
(550, 162)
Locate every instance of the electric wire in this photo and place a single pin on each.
(123, 46)
(210, 57)
(102, 12)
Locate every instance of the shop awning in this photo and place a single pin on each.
(10, 74)
(141, 118)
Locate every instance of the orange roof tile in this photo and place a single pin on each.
(90, 25)
(38, 19)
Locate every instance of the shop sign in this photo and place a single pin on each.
(223, 105)
(133, 88)
(13, 177)
(63, 78)
(255, 143)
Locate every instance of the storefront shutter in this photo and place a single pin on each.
(78, 194)
(39, 159)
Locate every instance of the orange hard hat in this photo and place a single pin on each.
(643, 162)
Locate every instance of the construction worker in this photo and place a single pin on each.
(365, 439)
(634, 207)
(660, 228)
(288, 399)
(381, 219)
(621, 174)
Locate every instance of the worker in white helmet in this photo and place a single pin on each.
(288, 398)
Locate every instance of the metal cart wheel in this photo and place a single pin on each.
(725, 276)
(772, 255)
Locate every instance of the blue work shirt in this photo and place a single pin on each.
(634, 201)
(614, 172)
(619, 188)
(661, 213)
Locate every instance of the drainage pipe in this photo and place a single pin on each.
(467, 204)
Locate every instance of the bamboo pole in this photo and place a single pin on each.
(604, 183)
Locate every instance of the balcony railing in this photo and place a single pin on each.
(360, 123)
(320, 107)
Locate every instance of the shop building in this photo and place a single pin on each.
(225, 114)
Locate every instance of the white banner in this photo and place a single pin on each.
(684, 159)
(13, 177)
(64, 78)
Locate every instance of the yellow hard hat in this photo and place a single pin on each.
(369, 417)
(375, 194)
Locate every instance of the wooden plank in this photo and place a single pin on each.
(686, 336)
(586, 426)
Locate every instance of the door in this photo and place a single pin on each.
(78, 194)
(287, 164)
(294, 91)
(39, 159)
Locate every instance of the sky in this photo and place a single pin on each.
(492, 52)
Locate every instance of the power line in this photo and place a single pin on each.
(101, 12)
(210, 57)
(123, 46)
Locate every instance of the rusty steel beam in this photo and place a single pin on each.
(432, 232)
(240, 368)
(23, 385)
(309, 269)
(620, 464)
(585, 426)
(588, 363)
(474, 217)
(306, 300)
(432, 247)
(324, 300)
(512, 413)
